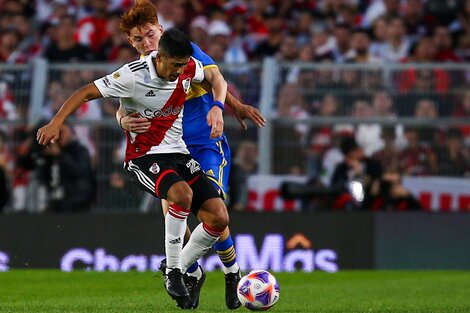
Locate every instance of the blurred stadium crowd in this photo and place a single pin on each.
(370, 33)
(236, 31)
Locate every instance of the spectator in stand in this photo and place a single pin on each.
(30, 44)
(290, 104)
(364, 185)
(125, 54)
(383, 107)
(443, 44)
(454, 157)
(360, 44)
(367, 134)
(341, 48)
(116, 39)
(321, 41)
(244, 164)
(65, 168)
(414, 18)
(272, 43)
(417, 158)
(397, 45)
(219, 33)
(10, 53)
(301, 25)
(389, 155)
(320, 139)
(427, 109)
(198, 31)
(462, 111)
(414, 84)
(63, 47)
(379, 35)
(166, 11)
(380, 8)
(92, 31)
(256, 21)
(7, 106)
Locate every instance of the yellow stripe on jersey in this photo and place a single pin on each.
(196, 90)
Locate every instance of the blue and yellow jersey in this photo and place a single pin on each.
(197, 105)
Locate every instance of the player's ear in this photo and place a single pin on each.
(130, 41)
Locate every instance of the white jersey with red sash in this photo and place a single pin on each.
(139, 89)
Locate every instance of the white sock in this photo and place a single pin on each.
(197, 273)
(201, 240)
(175, 227)
(231, 269)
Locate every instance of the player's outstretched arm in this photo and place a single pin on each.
(243, 111)
(50, 132)
(215, 117)
(132, 122)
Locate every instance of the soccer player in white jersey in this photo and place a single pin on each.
(156, 87)
(140, 24)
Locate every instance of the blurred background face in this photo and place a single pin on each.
(441, 38)
(145, 39)
(396, 29)
(382, 103)
(426, 109)
(329, 106)
(65, 29)
(360, 43)
(9, 41)
(380, 29)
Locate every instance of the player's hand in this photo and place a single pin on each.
(135, 123)
(215, 119)
(252, 113)
(48, 134)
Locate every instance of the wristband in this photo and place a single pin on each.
(120, 121)
(219, 104)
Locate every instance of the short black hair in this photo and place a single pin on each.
(348, 144)
(175, 43)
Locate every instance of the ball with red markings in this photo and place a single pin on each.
(258, 290)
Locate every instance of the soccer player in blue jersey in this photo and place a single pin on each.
(140, 23)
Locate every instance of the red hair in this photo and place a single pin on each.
(143, 12)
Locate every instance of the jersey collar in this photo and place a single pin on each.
(151, 64)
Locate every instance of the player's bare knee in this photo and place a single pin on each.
(180, 194)
(220, 218)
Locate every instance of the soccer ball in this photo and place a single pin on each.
(258, 290)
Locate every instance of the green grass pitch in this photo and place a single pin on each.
(33, 291)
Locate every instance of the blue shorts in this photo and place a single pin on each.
(214, 158)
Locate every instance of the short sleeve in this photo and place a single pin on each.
(202, 56)
(198, 71)
(119, 84)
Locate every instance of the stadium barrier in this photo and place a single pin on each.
(291, 96)
(278, 242)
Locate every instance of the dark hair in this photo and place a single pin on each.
(175, 43)
(348, 144)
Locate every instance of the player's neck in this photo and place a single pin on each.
(156, 69)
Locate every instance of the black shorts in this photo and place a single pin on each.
(156, 173)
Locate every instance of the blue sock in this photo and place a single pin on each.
(193, 267)
(226, 251)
